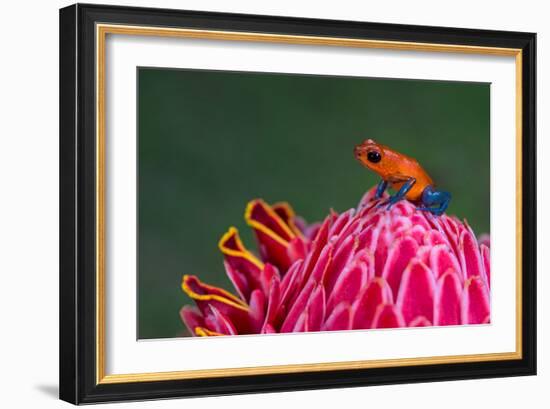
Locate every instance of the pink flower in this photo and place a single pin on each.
(364, 268)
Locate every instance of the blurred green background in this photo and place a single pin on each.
(210, 141)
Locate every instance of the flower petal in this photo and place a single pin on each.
(486, 258)
(339, 319)
(314, 314)
(420, 321)
(266, 275)
(297, 249)
(387, 316)
(323, 264)
(470, 257)
(443, 259)
(399, 256)
(272, 233)
(381, 251)
(238, 280)
(297, 308)
(484, 239)
(476, 306)
(205, 332)
(257, 310)
(416, 292)
(316, 309)
(341, 222)
(229, 305)
(220, 323)
(316, 248)
(273, 304)
(363, 309)
(434, 237)
(348, 285)
(244, 267)
(192, 318)
(341, 258)
(448, 296)
(290, 285)
(285, 211)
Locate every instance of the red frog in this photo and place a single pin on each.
(404, 174)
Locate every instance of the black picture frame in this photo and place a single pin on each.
(78, 360)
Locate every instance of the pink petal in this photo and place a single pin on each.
(400, 224)
(316, 248)
(297, 249)
(486, 258)
(417, 232)
(418, 219)
(366, 258)
(434, 237)
(241, 265)
(399, 256)
(266, 276)
(416, 292)
(350, 230)
(420, 321)
(273, 234)
(257, 310)
(448, 296)
(367, 239)
(387, 316)
(340, 222)
(315, 310)
(484, 239)
(339, 319)
(381, 251)
(273, 303)
(259, 213)
(443, 259)
(222, 324)
(290, 283)
(348, 285)
(311, 231)
(423, 254)
(476, 306)
(228, 304)
(470, 256)
(363, 309)
(342, 257)
(298, 308)
(238, 280)
(404, 208)
(287, 215)
(323, 264)
(268, 329)
(192, 318)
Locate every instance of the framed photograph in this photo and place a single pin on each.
(257, 203)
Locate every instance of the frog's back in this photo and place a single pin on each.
(409, 167)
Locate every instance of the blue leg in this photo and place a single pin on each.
(431, 198)
(400, 194)
(380, 189)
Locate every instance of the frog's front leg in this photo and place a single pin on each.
(432, 197)
(380, 189)
(400, 193)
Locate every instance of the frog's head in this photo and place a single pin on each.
(370, 154)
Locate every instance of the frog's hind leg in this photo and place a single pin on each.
(431, 198)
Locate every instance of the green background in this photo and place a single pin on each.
(210, 141)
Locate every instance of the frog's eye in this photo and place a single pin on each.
(374, 156)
